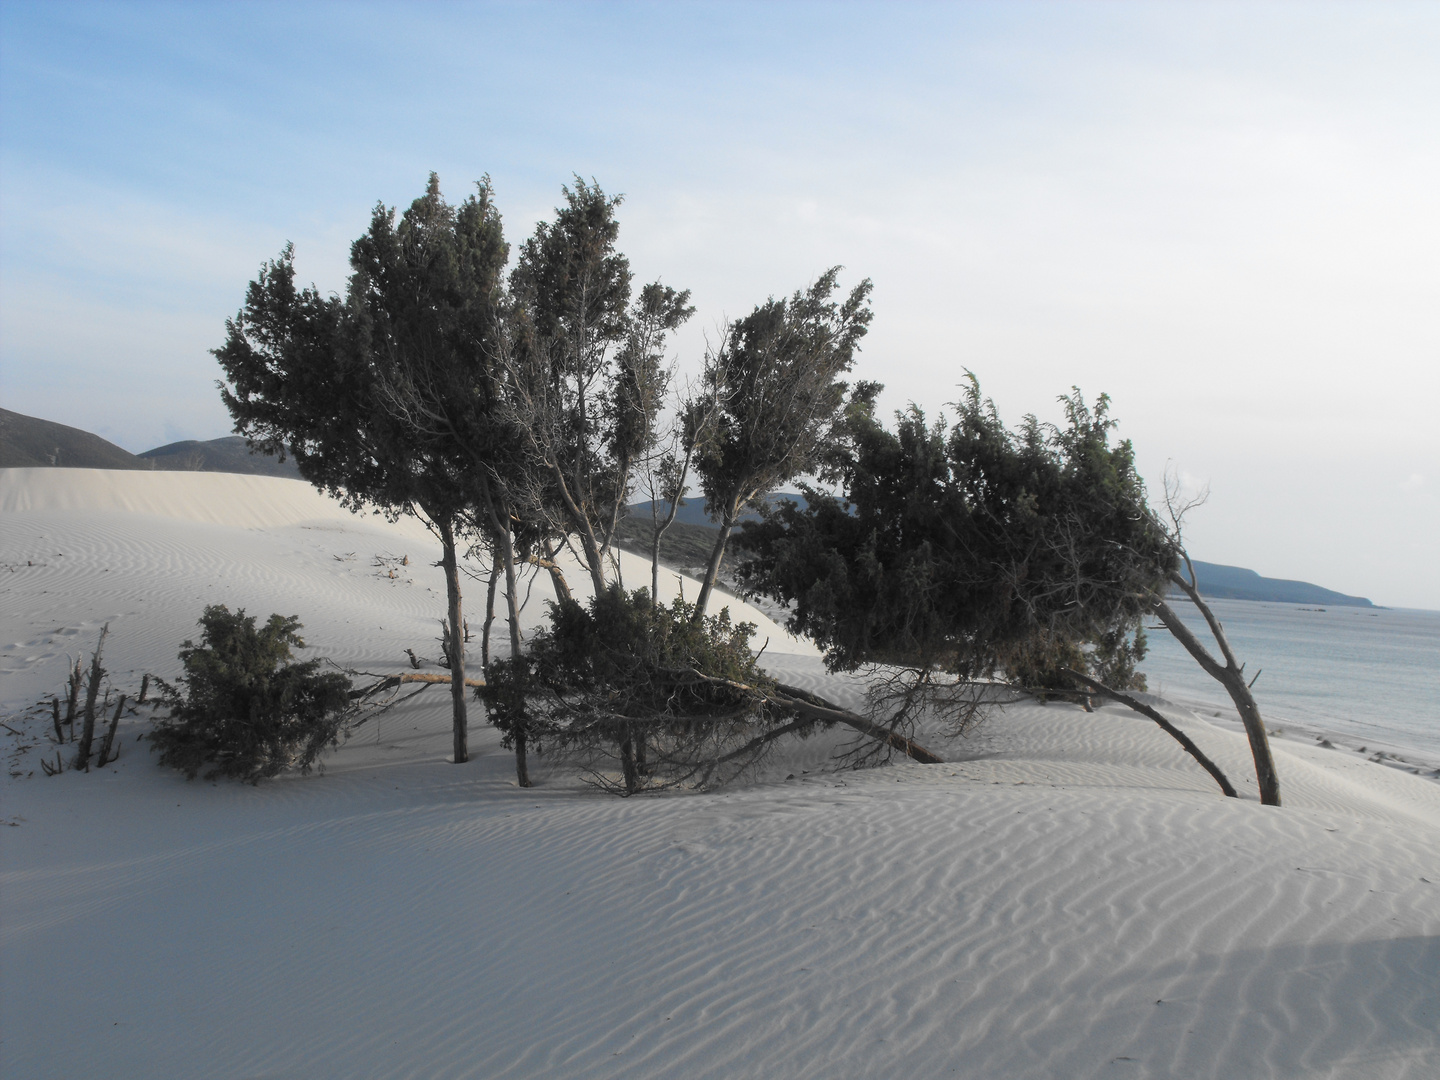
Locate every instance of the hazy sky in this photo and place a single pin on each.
(1224, 216)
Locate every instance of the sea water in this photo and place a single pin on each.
(1361, 677)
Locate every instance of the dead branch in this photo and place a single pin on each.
(92, 691)
(109, 739)
(818, 709)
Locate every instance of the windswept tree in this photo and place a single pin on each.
(384, 398)
(977, 551)
(587, 376)
(776, 381)
(426, 305)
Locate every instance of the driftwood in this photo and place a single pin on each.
(390, 682)
(109, 739)
(1170, 729)
(73, 703)
(92, 691)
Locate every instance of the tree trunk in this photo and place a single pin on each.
(489, 613)
(642, 753)
(557, 576)
(501, 523)
(717, 554)
(1229, 676)
(589, 546)
(659, 528)
(457, 642)
(627, 761)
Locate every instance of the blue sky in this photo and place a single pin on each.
(1223, 215)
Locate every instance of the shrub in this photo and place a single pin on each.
(242, 709)
(645, 684)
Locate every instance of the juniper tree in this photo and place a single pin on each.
(776, 383)
(586, 370)
(375, 395)
(978, 551)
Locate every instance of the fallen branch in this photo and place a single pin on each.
(389, 682)
(816, 708)
(806, 703)
(1170, 729)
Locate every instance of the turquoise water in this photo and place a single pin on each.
(1360, 676)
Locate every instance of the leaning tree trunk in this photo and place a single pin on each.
(557, 576)
(657, 535)
(1230, 676)
(717, 555)
(1165, 725)
(489, 613)
(457, 641)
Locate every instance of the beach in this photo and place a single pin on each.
(1068, 895)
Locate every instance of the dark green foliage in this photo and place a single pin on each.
(976, 550)
(780, 372)
(645, 683)
(622, 644)
(777, 393)
(242, 709)
(386, 398)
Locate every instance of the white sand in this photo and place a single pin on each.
(1069, 897)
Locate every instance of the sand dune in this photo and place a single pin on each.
(1068, 896)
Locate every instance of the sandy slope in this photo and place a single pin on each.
(1068, 897)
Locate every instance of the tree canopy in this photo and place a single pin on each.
(775, 392)
(970, 548)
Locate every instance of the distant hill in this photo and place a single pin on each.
(1237, 583)
(692, 511)
(29, 442)
(229, 454)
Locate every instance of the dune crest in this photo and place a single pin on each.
(1068, 896)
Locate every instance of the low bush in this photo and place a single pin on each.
(645, 685)
(242, 709)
